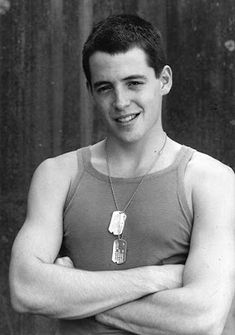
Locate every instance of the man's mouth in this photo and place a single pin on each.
(127, 119)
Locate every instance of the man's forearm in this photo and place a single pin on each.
(139, 317)
(172, 312)
(60, 292)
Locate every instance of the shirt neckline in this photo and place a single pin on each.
(86, 155)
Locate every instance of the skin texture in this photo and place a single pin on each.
(202, 304)
(194, 299)
(120, 90)
(40, 285)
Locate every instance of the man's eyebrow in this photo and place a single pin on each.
(135, 76)
(132, 77)
(99, 83)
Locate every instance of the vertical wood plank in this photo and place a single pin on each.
(201, 103)
(56, 80)
(85, 20)
(41, 117)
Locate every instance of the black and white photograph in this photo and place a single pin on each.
(117, 161)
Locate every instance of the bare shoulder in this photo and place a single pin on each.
(205, 169)
(210, 182)
(63, 166)
(52, 178)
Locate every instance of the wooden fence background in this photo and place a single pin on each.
(45, 108)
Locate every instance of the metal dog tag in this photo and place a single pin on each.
(119, 251)
(117, 223)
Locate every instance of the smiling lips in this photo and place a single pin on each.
(126, 119)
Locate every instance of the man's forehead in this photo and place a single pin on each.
(134, 52)
(123, 64)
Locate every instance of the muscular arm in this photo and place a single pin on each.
(202, 304)
(40, 286)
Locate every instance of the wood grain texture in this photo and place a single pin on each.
(201, 105)
(45, 108)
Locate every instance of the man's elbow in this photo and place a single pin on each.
(24, 295)
(213, 327)
(204, 318)
(217, 314)
(18, 305)
(200, 326)
(27, 299)
(20, 302)
(209, 323)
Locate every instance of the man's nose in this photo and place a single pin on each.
(121, 98)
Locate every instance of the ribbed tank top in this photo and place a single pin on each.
(158, 226)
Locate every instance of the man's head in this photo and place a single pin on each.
(120, 33)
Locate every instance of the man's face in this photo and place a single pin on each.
(127, 93)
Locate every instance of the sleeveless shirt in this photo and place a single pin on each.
(157, 229)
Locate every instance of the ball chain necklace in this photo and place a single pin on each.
(118, 218)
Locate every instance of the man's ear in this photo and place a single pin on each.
(166, 80)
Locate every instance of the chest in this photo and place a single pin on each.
(156, 228)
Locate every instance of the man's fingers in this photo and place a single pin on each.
(64, 261)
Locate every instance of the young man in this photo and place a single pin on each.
(146, 224)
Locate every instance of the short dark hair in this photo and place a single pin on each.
(120, 33)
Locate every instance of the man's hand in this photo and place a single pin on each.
(172, 276)
(168, 277)
(64, 261)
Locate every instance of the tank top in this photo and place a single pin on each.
(157, 230)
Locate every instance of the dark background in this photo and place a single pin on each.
(44, 106)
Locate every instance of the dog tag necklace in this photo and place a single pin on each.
(118, 218)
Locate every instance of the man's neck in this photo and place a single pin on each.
(133, 159)
(134, 162)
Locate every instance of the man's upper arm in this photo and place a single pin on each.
(210, 266)
(41, 235)
(202, 304)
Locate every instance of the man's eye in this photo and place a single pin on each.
(135, 84)
(103, 89)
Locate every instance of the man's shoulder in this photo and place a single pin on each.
(203, 164)
(62, 162)
(67, 163)
(204, 169)
(61, 168)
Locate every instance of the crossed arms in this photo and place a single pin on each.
(153, 299)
